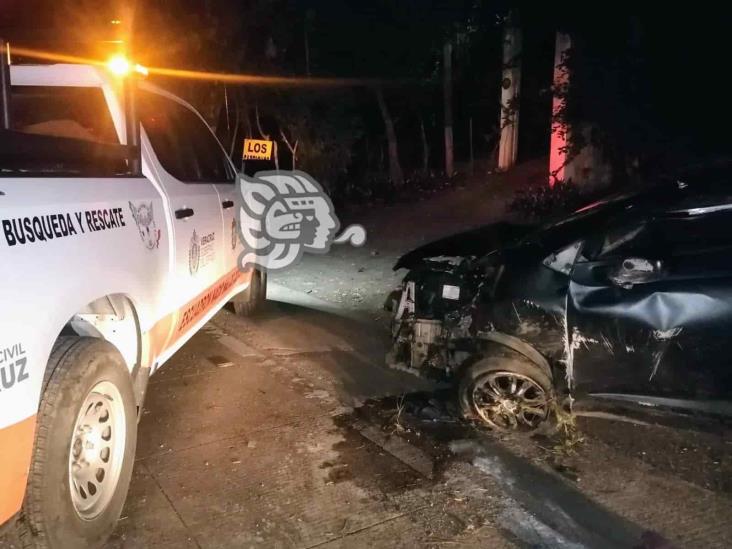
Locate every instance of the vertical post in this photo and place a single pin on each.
(470, 141)
(560, 132)
(226, 105)
(510, 90)
(132, 125)
(307, 53)
(309, 17)
(4, 85)
(447, 89)
(395, 168)
(425, 148)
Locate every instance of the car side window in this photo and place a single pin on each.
(662, 236)
(631, 239)
(183, 144)
(563, 260)
(696, 234)
(620, 238)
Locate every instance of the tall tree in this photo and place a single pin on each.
(395, 168)
(447, 93)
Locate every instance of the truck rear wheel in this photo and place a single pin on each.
(252, 299)
(84, 449)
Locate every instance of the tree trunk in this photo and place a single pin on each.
(447, 92)
(292, 147)
(510, 93)
(470, 141)
(307, 52)
(560, 132)
(395, 168)
(425, 148)
(237, 123)
(267, 137)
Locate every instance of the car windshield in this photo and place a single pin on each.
(563, 231)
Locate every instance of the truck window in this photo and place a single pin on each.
(62, 111)
(61, 131)
(185, 147)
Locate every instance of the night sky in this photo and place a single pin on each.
(654, 80)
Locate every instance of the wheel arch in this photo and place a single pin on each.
(500, 339)
(114, 318)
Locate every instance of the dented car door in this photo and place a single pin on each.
(650, 308)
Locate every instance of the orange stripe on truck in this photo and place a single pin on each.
(16, 447)
(168, 330)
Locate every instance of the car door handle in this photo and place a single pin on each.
(226, 204)
(183, 213)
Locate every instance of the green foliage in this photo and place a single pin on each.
(543, 201)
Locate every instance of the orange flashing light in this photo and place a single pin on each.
(119, 65)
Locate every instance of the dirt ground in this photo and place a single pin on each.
(287, 430)
(358, 279)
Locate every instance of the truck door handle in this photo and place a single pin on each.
(183, 213)
(226, 204)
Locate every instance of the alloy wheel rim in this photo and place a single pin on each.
(510, 401)
(97, 450)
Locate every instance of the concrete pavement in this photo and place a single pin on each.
(255, 435)
(287, 431)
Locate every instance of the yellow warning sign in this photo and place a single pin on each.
(257, 149)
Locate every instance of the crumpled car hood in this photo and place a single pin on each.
(476, 242)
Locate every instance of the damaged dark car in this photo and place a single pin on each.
(628, 300)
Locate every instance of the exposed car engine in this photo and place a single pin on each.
(432, 311)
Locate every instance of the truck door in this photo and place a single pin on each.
(649, 311)
(230, 242)
(188, 161)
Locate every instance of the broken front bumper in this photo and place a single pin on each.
(430, 311)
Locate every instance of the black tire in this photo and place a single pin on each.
(497, 370)
(49, 518)
(251, 300)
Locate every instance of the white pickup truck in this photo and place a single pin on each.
(118, 241)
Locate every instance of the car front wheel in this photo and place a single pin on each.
(506, 392)
(84, 448)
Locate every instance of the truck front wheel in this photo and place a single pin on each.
(84, 449)
(252, 299)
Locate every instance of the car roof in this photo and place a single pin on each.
(698, 194)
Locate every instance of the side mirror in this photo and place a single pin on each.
(635, 270)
